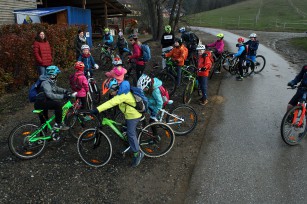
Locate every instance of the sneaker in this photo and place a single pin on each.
(203, 102)
(217, 72)
(239, 78)
(137, 159)
(56, 126)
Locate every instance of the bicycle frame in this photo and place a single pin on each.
(111, 124)
(177, 119)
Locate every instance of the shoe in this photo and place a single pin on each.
(56, 126)
(203, 102)
(217, 72)
(239, 78)
(137, 159)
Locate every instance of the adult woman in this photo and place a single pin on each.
(79, 41)
(42, 52)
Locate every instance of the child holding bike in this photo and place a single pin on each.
(136, 57)
(81, 81)
(88, 60)
(118, 72)
(252, 44)
(178, 55)
(241, 54)
(218, 46)
(126, 102)
(204, 65)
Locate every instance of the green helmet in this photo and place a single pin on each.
(168, 28)
(220, 35)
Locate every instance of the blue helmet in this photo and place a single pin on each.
(110, 83)
(52, 71)
(181, 30)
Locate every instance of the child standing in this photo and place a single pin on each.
(204, 66)
(82, 81)
(118, 72)
(88, 60)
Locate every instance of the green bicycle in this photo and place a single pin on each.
(28, 140)
(95, 147)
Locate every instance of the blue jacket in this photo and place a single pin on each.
(155, 101)
(241, 51)
(301, 77)
(88, 61)
(252, 47)
(108, 39)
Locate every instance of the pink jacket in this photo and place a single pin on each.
(118, 75)
(219, 45)
(84, 82)
(137, 54)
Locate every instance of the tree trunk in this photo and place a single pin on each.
(171, 18)
(178, 15)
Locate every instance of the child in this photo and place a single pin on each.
(81, 94)
(252, 44)
(118, 72)
(241, 54)
(177, 54)
(204, 66)
(218, 46)
(88, 60)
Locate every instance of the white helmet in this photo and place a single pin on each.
(144, 81)
(85, 47)
(201, 47)
(253, 35)
(117, 61)
(181, 30)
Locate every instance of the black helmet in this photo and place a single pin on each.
(178, 40)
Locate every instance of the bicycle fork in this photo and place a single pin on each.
(301, 117)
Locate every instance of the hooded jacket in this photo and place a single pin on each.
(204, 61)
(177, 54)
(137, 54)
(117, 74)
(219, 45)
(49, 90)
(155, 101)
(88, 61)
(83, 81)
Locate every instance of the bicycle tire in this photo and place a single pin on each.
(215, 67)
(187, 93)
(259, 64)
(81, 121)
(19, 144)
(248, 67)
(95, 93)
(190, 119)
(94, 148)
(290, 133)
(156, 145)
(168, 81)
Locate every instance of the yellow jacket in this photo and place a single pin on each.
(120, 100)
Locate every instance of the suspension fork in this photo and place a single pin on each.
(302, 115)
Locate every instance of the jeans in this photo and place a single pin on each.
(41, 70)
(132, 135)
(240, 66)
(203, 84)
(178, 79)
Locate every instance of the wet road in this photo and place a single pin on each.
(243, 158)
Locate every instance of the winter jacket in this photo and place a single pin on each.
(88, 61)
(123, 96)
(177, 54)
(82, 79)
(121, 44)
(204, 61)
(301, 77)
(155, 101)
(78, 44)
(49, 90)
(219, 45)
(252, 47)
(137, 54)
(42, 53)
(117, 74)
(241, 51)
(167, 39)
(107, 39)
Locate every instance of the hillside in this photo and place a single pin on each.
(273, 15)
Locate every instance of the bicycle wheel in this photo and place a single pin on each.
(168, 81)
(187, 93)
(291, 132)
(20, 145)
(216, 67)
(259, 64)
(158, 144)
(80, 122)
(95, 93)
(94, 147)
(248, 67)
(187, 114)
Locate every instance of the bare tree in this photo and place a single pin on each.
(155, 17)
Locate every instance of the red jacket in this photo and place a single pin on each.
(137, 54)
(177, 54)
(42, 53)
(204, 61)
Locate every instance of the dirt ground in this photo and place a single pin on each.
(59, 175)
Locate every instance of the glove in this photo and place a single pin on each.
(96, 66)
(291, 83)
(73, 95)
(94, 111)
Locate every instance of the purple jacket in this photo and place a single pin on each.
(84, 82)
(219, 45)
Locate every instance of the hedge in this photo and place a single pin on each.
(17, 64)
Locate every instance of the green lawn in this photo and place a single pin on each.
(300, 43)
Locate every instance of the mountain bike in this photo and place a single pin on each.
(94, 95)
(28, 140)
(95, 147)
(218, 63)
(293, 126)
(106, 57)
(259, 64)
(233, 65)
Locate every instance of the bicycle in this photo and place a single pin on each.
(95, 147)
(28, 140)
(93, 96)
(293, 126)
(259, 64)
(218, 63)
(106, 57)
(248, 65)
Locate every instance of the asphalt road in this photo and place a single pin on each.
(243, 158)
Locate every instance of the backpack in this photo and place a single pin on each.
(164, 94)
(34, 90)
(194, 40)
(75, 83)
(145, 52)
(140, 99)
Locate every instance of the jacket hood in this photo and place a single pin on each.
(124, 88)
(157, 83)
(43, 77)
(117, 71)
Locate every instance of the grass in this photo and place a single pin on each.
(300, 43)
(273, 15)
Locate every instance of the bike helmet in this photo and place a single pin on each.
(110, 83)
(144, 82)
(253, 35)
(79, 66)
(52, 71)
(240, 40)
(181, 30)
(106, 30)
(168, 28)
(220, 35)
(117, 61)
(201, 47)
(85, 47)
